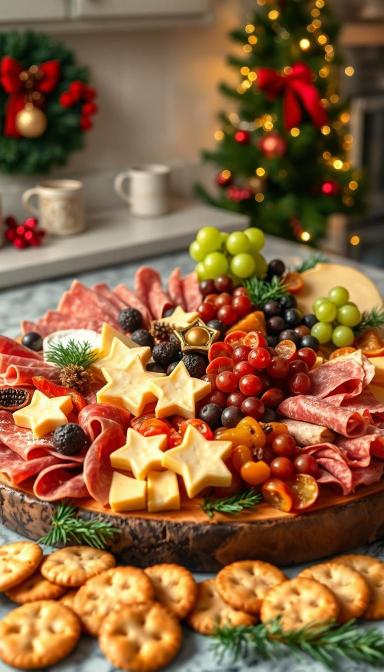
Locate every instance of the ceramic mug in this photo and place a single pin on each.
(60, 206)
(148, 193)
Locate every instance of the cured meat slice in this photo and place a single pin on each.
(307, 434)
(55, 321)
(358, 452)
(367, 475)
(81, 300)
(105, 291)
(130, 299)
(321, 412)
(191, 292)
(150, 291)
(59, 481)
(10, 347)
(21, 440)
(92, 418)
(366, 404)
(17, 470)
(18, 374)
(332, 465)
(175, 288)
(345, 376)
(6, 360)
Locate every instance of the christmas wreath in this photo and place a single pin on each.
(46, 103)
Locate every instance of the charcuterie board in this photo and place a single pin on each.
(335, 524)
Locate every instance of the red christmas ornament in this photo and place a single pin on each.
(242, 137)
(239, 194)
(272, 145)
(330, 188)
(79, 92)
(23, 235)
(224, 178)
(66, 99)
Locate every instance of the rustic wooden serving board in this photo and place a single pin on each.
(334, 525)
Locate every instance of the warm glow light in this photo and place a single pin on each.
(305, 236)
(218, 135)
(225, 174)
(345, 117)
(322, 39)
(247, 48)
(325, 130)
(346, 165)
(295, 132)
(316, 23)
(252, 39)
(355, 240)
(337, 164)
(324, 72)
(334, 98)
(260, 172)
(244, 70)
(287, 70)
(311, 28)
(249, 28)
(268, 125)
(320, 4)
(259, 197)
(326, 155)
(348, 200)
(315, 12)
(349, 71)
(304, 44)
(233, 118)
(353, 185)
(252, 76)
(246, 84)
(273, 14)
(348, 138)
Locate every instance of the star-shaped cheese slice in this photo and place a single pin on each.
(177, 393)
(128, 388)
(199, 462)
(43, 414)
(141, 454)
(180, 318)
(108, 333)
(120, 355)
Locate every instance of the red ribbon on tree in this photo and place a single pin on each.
(20, 84)
(299, 92)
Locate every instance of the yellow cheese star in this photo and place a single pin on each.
(140, 454)
(108, 333)
(199, 462)
(178, 393)
(128, 388)
(120, 355)
(43, 414)
(179, 318)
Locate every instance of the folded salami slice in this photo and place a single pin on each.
(346, 376)
(60, 481)
(307, 434)
(103, 290)
(22, 374)
(191, 292)
(175, 288)
(81, 300)
(149, 290)
(10, 347)
(321, 412)
(359, 451)
(332, 465)
(21, 441)
(92, 418)
(367, 475)
(366, 404)
(16, 470)
(16, 360)
(130, 299)
(55, 321)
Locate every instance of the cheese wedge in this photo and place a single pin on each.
(108, 333)
(162, 491)
(43, 414)
(140, 454)
(126, 493)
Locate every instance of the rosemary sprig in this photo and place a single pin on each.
(324, 643)
(72, 354)
(67, 527)
(246, 499)
(371, 319)
(311, 262)
(261, 291)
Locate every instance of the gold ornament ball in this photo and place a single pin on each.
(196, 336)
(31, 122)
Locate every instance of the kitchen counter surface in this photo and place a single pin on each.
(31, 301)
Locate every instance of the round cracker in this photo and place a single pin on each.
(108, 591)
(35, 588)
(74, 565)
(174, 587)
(299, 603)
(372, 571)
(69, 598)
(38, 634)
(350, 588)
(244, 584)
(210, 611)
(17, 562)
(140, 637)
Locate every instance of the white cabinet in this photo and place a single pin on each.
(109, 9)
(25, 11)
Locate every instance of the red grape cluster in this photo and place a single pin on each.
(222, 302)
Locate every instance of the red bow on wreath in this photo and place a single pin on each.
(23, 85)
(299, 92)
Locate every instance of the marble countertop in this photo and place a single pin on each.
(31, 301)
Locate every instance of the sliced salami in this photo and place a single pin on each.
(60, 481)
(21, 441)
(191, 292)
(16, 470)
(105, 291)
(366, 404)
(81, 300)
(321, 412)
(130, 299)
(175, 288)
(55, 321)
(358, 452)
(307, 434)
(10, 347)
(150, 291)
(22, 374)
(92, 418)
(332, 465)
(343, 376)
(367, 475)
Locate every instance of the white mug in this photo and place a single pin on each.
(148, 189)
(60, 206)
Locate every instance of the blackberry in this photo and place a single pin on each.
(33, 341)
(69, 439)
(143, 337)
(165, 353)
(154, 368)
(196, 364)
(130, 319)
(171, 367)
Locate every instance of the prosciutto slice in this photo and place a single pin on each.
(344, 376)
(60, 481)
(130, 299)
(10, 347)
(191, 292)
(17, 470)
(175, 288)
(149, 290)
(321, 412)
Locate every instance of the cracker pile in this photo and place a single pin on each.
(136, 613)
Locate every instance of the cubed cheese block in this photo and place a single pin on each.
(126, 493)
(162, 491)
(379, 369)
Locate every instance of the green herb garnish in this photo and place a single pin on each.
(311, 262)
(246, 499)
(324, 643)
(261, 291)
(66, 526)
(371, 319)
(72, 353)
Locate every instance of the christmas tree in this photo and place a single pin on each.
(283, 154)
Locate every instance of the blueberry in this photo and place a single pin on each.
(309, 320)
(288, 301)
(309, 342)
(272, 341)
(292, 317)
(211, 414)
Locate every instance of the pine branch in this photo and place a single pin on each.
(372, 319)
(71, 354)
(65, 526)
(323, 642)
(261, 291)
(246, 499)
(311, 262)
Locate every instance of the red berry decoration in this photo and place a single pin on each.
(330, 188)
(242, 137)
(239, 194)
(24, 235)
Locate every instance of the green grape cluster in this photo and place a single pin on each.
(336, 318)
(237, 253)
